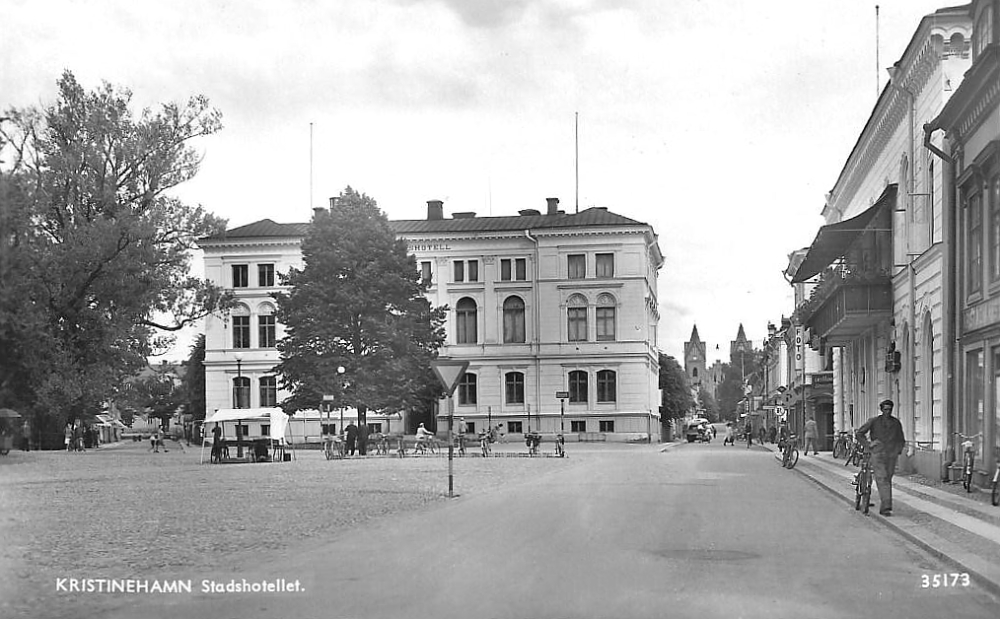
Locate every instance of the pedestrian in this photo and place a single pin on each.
(761, 433)
(26, 436)
(68, 436)
(352, 438)
(216, 444)
(715, 433)
(748, 432)
(886, 443)
(772, 434)
(811, 434)
(730, 437)
(363, 439)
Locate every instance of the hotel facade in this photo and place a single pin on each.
(541, 305)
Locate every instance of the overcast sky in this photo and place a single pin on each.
(722, 123)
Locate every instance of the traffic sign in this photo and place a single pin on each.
(562, 395)
(449, 373)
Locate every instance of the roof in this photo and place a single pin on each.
(261, 229)
(597, 216)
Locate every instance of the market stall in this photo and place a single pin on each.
(260, 434)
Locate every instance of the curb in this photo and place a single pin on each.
(922, 539)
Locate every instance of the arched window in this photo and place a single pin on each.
(241, 326)
(467, 389)
(268, 391)
(241, 392)
(514, 387)
(694, 372)
(605, 318)
(513, 320)
(607, 386)
(576, 318)
(578, 387)
(465, 321)
(265, 326)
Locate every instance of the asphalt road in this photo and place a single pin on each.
(701, 530)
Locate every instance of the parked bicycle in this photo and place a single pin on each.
(484, 443)
(790, 452)
(863, 483)
(425, 445)
(855, 450)
(968, 458)
(560, 450)
(334, 447)
(843, 443)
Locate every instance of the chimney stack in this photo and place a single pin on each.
(553, 206)
(435, 210)
(317, 210)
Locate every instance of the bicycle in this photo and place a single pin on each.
(560, 451)
(484, 444)
(854, 452)
(843, 443)
(424, 445)
(790, 455)
(863, 483)
(968, 459)
(334, 448)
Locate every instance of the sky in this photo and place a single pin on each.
(722, 123)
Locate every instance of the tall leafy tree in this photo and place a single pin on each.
(95, 251)
(676, 400)
(357, 303)
(194, 380)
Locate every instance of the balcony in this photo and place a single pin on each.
(844, 307)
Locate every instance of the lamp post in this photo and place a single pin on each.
(239, 404)
(340, 380)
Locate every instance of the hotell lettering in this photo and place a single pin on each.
(412, 247)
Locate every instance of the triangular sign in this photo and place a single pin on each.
(449, 373)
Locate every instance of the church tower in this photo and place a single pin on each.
(740, 344)
(694, 359)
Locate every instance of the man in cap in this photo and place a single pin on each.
(887, 442)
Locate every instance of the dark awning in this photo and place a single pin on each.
(833, 240)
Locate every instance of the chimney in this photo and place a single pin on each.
(553, 206)
(435, 210)
(317, 210)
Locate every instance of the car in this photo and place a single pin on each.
(697, 430)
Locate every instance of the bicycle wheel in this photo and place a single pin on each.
(837, 448)
(793, 458)
(858, 494)
(850, 454)
(967, 473)
(866, 493)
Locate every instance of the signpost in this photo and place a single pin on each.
(563, 396)
(449, 372)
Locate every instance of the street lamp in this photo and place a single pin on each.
(340, 379)
(239, 404)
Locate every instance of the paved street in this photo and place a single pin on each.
(697, 531)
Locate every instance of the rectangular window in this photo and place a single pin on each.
(607, 388)
(265, 331)
(607, 425)
(265, 275)
(520, 269)
(515, 387)
(578, 426)
(505, 272)
(605, 265)
(975, 390)
(975, 257)
(576, 266)
(241, 275)
(473, 270)
(329, 428)
(576, 324)
(605, 324)
(269, 391)
(241, 332)
(578, 387)
(515, 427)
(265, 429)
(425, 272)
(459, 271)
(242, 430)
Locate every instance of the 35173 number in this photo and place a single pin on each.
(940, 581)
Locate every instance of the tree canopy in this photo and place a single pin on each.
(94, 253)
(357, 303)
(676, 400)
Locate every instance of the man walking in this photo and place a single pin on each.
(887, 442)
(812, 433)
(352, 437)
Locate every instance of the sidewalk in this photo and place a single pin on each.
(959, 528)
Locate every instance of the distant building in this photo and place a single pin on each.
(538, 304)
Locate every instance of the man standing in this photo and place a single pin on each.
(887, 442)
(812, 433)
(352, 437)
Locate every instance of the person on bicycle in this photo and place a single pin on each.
(887, 442)
(783, 436)
(730, 438)
(423, 436)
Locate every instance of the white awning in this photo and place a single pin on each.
(277, 417)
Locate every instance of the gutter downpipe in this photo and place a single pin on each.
(536, 331)
(950, 335)
(911, 271)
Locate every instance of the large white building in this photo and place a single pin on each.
(538, 304)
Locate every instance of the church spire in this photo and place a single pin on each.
(694, 335)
